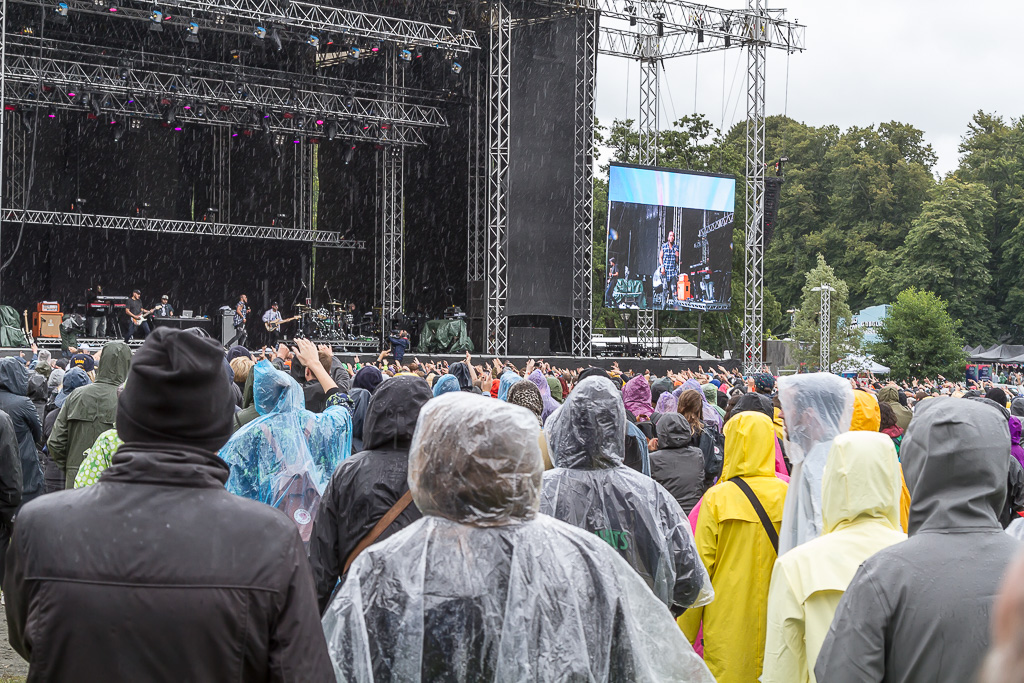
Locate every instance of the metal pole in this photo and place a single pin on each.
(825, 327)
(700, 329)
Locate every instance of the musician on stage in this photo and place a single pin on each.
(668, 261)
(136, 316)
(164, 309)
(272, 321)
(95, 320)
(241, 317)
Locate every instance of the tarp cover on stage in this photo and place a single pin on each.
(445, 336)
(11, 333)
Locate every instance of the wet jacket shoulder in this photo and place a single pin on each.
(10, 470)
(213, 576)
(677, 465)
(365, 486)
(905, 615)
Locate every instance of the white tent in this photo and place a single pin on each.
(855, 364)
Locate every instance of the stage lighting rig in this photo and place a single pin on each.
(405, 55)
(313, 41)
(94, 104)
(332, 129)
(260, 32)
(275, 39)
(61, 12)
(192, 32)
(350, 154)
(354, 52)
(156, 20)
(118, 132)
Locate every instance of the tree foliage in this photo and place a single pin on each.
(919, 338)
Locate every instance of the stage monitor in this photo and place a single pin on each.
(669, 239)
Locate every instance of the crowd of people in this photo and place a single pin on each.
(186, 513)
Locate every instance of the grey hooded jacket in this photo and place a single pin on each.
(920, 610)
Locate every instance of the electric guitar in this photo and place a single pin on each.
(276, 324)
(142, 316)
(28, 329)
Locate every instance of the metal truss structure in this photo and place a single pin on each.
(291, 19)
(302, 187)
(498, 140)
(583, 182)
(244, 97)
(476, 244)
(213, 229)
(391, 268)
(825, 327)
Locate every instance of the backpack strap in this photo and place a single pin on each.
(383, 523)
(769, 528)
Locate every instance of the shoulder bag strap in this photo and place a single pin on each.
(383, 523)
(769, 528)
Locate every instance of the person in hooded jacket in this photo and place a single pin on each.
(920, 610)
(738, 551)
(1017, 407)
(677, 464)
(860, 501)
(53, 476)
(483, 588)
(368, 484)
(818, 407)
(10, 484)
(248, 413)
(592, 489)
(890, 394)
(27, 430)
(89, 411)
(1014, 503)
(204, 585)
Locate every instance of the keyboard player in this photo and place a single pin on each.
(164, 309)
(96, 313)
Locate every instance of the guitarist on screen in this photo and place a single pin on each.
(272, 321)
(136, 316)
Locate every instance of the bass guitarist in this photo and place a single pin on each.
(272, 321)
(136, 316)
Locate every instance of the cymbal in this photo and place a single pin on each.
(301, 306)
(334, 303)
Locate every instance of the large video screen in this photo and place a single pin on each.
(669, 239)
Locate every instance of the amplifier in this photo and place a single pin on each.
(46, 325)
(48, 307)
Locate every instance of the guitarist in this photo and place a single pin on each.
(136, 316)
(272, 321)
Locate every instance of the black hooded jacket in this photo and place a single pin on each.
(15, 402)
(368, 484)
(677, 465)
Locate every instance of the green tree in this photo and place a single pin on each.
(843, 338)
(946, 253)
(919, 338)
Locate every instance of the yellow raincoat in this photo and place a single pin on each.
(860, 499)
(867, 416)
(737, 552)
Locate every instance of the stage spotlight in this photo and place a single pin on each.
(332, 129)
(300, 121)
(313, 41)
(455, 19)
(349, 102)
(260, 32)
(275, 39)
(112, 119)
(349, 154)
(156, 20)
(118, 132)
(405, 55)
(94, 104)
(61, 12)
(660, 17)
(26, 124)
(456, 67)
(51, 113)
(354, 52)
(192, 32)
(170, 114)
(632, 14)
(265, 126)
(200, 109)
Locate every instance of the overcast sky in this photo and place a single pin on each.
(930, 63)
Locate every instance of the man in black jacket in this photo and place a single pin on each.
(189, 582)
(10, 484)
(367, 485)
(15, 402)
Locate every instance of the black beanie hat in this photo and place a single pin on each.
(176, 393)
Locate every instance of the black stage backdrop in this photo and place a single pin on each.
(540, 208)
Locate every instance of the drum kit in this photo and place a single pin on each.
(333, 321)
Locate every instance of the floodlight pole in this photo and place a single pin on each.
(825, 324)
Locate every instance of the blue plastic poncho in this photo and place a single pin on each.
(285, 457)
(508, 378)
(444, 384)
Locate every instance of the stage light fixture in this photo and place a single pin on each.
(300, 121)
(275, 39)
(51, 113)
(660, 17)
(25, 122)
(405, 55)
(265, 126)
(156, 21)
(118, 132)
(61, 12)
(94, 104)
(375, 47)
(170, 114)
(349, 102)
(112, 119)
(354, 52)
(332, 129)
(350, 154)
(200, 109)
(631, 11)
(260, 32)
(456, 67)
(313, 41)
(192, 32)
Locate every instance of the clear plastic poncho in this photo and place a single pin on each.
(485, 589)
(592, 489)
(285, 457)
(817, 407)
